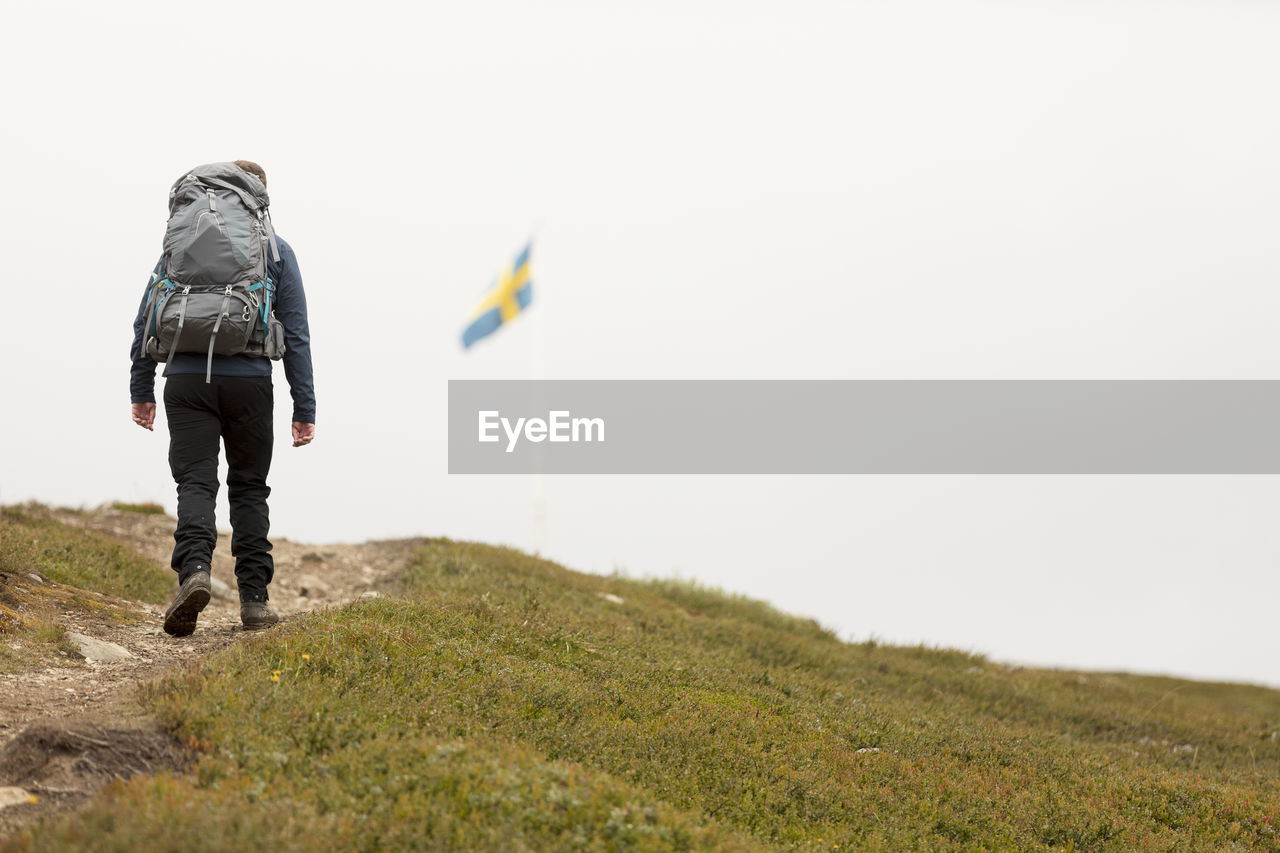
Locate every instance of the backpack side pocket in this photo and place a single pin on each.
(273, 347)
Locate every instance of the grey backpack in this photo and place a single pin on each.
(213, 293)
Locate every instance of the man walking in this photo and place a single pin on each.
(227, 397)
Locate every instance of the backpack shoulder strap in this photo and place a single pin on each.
(271, 235)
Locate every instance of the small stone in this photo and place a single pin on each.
(99, 650)
(310, 586)
(868, 749)
(13, 797)
(219, 589)
(611, 598)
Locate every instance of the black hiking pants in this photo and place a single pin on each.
(237, 410)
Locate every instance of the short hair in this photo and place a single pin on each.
(253, 169)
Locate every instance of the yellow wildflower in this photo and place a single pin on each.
(306, 657)
(32, 798)
(275, 677)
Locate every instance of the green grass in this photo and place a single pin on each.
(29, 638)
(48, 568)
(32, 540)
(146, 508)
(504, 703)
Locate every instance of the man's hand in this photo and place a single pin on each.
(302, 433)
(144, 415)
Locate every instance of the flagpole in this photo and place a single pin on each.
(538, 341)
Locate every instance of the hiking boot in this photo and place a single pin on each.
(257, 614)
(193, 595)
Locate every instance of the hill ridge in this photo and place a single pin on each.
(495, 700)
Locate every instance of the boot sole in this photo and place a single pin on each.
(180, 621)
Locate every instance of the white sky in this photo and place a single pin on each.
(719, 190)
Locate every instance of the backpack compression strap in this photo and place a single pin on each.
(149, 315)
(213, 337)
(182, 318)
(271, 235)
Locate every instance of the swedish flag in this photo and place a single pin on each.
(509, 295)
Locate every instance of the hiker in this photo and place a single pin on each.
(225, 299)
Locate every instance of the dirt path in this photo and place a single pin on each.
(52, 720)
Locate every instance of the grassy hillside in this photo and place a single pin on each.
(32, 540)
(498, 701)
(36, 549)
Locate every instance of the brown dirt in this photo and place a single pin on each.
(66, 730)
(64, 763)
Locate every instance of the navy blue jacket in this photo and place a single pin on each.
(290, 303)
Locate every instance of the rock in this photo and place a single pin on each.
(99, 650)
(310, 586)
(13, 797)
(219, 589)
(611, 598)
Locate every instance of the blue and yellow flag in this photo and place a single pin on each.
(509, 295)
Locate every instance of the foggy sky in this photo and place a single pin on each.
(715, 190)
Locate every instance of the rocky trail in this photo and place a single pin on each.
(66, 730)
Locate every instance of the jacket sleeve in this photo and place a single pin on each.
(142, 374)
(291, 311)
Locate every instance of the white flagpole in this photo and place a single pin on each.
(537, 338)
